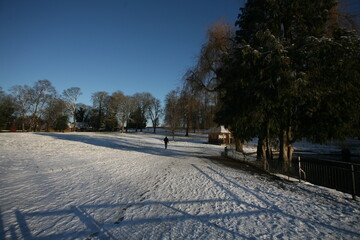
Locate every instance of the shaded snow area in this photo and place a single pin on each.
(127, 186)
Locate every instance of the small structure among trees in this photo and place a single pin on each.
(220, 135)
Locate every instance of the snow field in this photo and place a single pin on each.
(127, 186)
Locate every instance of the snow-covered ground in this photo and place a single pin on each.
(127, 186)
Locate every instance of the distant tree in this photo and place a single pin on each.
(82, 114)
(190, 107)
(154, 112)
(40, 95)
(61, 123)
(94, 119)
(7, 110)
(99, 103)
(198, 109)
(124, 111)
(70, 97)
(142, 102)
(56, 109)
(137, 119)
(172, 111)
(110, 118)
(22, 95)
(115, 101)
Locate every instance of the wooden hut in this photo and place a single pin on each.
(220, 135)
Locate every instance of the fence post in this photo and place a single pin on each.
(353, 181)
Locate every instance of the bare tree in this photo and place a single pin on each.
(70, 97)
(56, 109)
(201, 82)
(189, 108)
(172, 111)
(40, 95)
(205, 75)
(155, 112)
(22, 98)
(121, 106)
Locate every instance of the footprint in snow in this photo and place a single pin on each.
(122, 215)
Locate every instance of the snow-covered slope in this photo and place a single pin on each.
(127, 186)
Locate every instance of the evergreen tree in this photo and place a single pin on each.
(276, 79)
(331, 109)
(137, 119)
(61, 123)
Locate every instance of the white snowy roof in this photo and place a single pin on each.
(220, 129)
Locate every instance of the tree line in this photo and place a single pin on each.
(40, 107)
(288, 71)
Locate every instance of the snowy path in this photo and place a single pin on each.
(113, 186)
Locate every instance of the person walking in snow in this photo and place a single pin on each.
(166, 140)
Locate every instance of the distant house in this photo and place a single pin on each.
(80, 126)
(220, 135)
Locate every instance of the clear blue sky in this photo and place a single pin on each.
(105, 45)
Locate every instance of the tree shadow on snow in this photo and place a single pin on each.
(119, 143)
(173, 219)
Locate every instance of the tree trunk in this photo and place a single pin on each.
(33, 123)
(267, 143)
(261, 151)
(74, 118)
(239, 144)
(23, 123)
(263, 147)
(187, 128)
(286, 150)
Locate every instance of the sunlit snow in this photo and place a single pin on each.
(127, 186)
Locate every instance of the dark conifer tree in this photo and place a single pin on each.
(282, 54)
